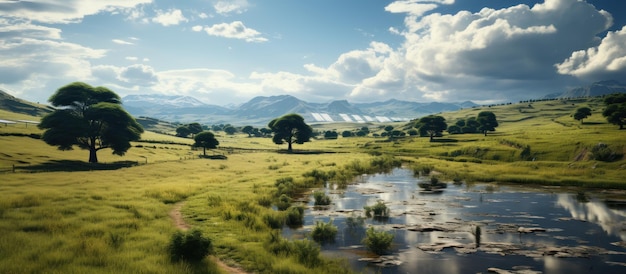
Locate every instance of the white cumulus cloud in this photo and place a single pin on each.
(169, 18)
(605, 61)
(234, 30)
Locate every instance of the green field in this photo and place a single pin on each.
(62, 215)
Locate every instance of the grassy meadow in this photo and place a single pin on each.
(59, 214)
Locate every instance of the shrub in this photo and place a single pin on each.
(377, 241)
(321, 199)
(283, 202)
(285, 186)
(264, 201)
(191, 246)
(307, 253)
(278, 245)
(274, 220)
(379, 210)
(319, 176)
(602, 152)
(295, 216)
(323, 232)
(422, 170)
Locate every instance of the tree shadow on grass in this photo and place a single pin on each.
(72, 165)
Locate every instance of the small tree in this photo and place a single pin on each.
(615, 111)
(582, 113)
(194, 128)
(91, 118)
(230, 130)
(433, 125)
(487, 121)
(454, 129)
(290, 128)
(182, 131)
(471, 125)
(248, 130)
(205, 140)
(330, 134)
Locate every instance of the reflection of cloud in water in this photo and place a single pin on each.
(595, 212)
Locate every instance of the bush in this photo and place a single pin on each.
(379, 210)
(274, 220)
(602, 152)
(319, 176)
(377, 241)
(191, 246)
(307, 253)
(295, 216)
(283, 202)
(285, 186)
(321, 199)
(323, 232)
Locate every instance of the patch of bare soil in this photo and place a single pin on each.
(180, 223)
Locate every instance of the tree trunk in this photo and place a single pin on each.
(431, 137)
(485, 132)
(204, 151)
(93, 157)
(289, 147)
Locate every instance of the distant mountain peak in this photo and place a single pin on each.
(594, 89)
(179, 101)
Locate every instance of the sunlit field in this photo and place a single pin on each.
(62, 215)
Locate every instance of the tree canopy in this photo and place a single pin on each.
(487, 121)
(433, 125)
(615, 111)
(290, 129)
(205, 139)
(582, 113)
(91, 118)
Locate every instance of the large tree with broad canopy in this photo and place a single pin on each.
(290, 129)
(487, 121)
(91, 118)
(432, 125)
(205, 139)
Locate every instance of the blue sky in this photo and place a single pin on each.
(227, 52)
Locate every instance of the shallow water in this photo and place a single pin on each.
(572, 233)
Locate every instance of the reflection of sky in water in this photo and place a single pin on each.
(568, 223)
(611, 220)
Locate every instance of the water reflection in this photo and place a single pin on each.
(518, 227)
(612, 221)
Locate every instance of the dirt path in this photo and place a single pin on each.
(180, 223)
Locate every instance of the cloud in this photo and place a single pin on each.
(410, 7)
(234, 30)
(170, 17)
(122, 42)
(231, 6)
(133, 76)
(25, 58)
(495, 54)
(603, 62)
(62, 11)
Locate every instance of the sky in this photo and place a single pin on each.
(226, 52)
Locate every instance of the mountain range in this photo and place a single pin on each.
(261, 109)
